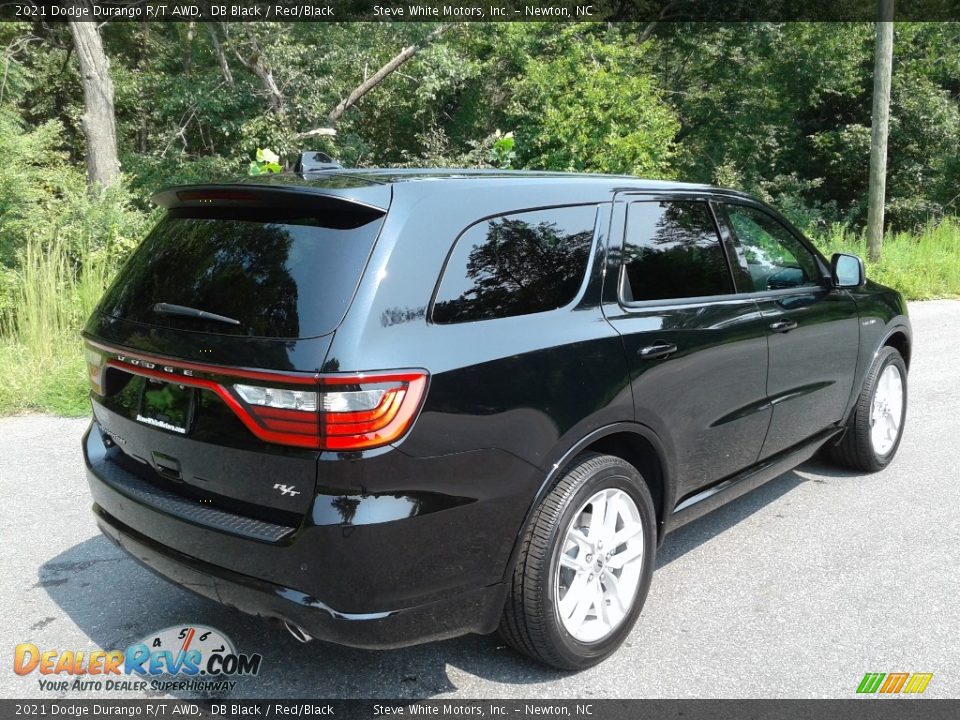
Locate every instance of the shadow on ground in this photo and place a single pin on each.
(116, 602)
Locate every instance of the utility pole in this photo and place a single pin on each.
(882, 73)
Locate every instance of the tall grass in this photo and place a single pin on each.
(41, 358)
(923, 265)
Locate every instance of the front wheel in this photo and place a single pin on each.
(585, 565)
(874, 432)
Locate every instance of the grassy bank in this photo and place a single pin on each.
(923, 265)
(41, 359)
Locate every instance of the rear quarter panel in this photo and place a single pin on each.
(528, 385)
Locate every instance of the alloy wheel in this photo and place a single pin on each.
(599, 566)
(886, 410)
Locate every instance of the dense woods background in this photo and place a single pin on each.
(780, 110)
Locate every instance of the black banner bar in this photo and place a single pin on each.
(642, 11)
(854, 709)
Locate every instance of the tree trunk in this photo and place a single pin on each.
(882, 73)
(380, 75)
(257, 64)
(98, 123)
(221, 56)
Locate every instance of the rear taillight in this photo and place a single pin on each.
(374, 412)
(94, 370)
(354, 412)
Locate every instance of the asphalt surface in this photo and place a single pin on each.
(795, 590)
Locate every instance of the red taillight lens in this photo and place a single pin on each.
(354, 411)
(282, 415)
(345, 413)
(377, 412)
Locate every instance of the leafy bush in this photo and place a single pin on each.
(588, 104)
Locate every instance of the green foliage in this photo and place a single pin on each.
(762, 102)
(41, 357)
(60, 247)
(148, 174)
(587, 103)
(44, 201)
(502, 154)
(267, 161)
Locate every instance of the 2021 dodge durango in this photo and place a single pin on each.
(387, 406)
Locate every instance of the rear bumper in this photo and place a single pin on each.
(475, 611)
(374, 585)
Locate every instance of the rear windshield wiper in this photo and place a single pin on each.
(184, 311)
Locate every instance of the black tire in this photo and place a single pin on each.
(530, 621)
(855, 450)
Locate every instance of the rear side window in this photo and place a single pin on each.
(672, 250)
(516, 264)
(278, 273)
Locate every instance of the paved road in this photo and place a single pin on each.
(795, 590)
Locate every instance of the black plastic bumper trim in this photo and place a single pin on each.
(135, 488)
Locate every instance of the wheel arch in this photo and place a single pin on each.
(898, 335)
(899, 338)
(635, 443)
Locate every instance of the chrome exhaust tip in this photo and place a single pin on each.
(298, 632)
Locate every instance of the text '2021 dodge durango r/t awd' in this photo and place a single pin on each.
(389, 406)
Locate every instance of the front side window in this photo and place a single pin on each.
(516, 264)
(672, 250)
(770, 253)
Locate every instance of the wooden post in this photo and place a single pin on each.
(882, 73)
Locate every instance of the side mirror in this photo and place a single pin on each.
(847, 271)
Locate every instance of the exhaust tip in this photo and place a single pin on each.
(298, 632)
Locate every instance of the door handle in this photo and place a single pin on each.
(782, 326)
(657, 350)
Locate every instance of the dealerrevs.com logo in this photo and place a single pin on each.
(894, 683)
(191, 657)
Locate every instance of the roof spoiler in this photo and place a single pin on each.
(374, 199)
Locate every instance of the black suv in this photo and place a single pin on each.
(389, 406)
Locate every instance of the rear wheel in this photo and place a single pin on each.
(874, 432)
(585, 565)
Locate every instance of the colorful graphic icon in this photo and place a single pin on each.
(894, 683)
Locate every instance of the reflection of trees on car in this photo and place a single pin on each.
(771, 264)
(246, 265)
(677, 244)
(520, 265)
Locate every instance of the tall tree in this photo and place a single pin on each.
(882, 74)
(98, 121)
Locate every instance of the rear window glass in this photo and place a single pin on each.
(281, 273)
(516, 264)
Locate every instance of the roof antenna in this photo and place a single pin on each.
(310, 162)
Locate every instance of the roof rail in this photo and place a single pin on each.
(309, 162)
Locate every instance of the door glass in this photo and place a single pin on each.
(672, 250)
(770, 253)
